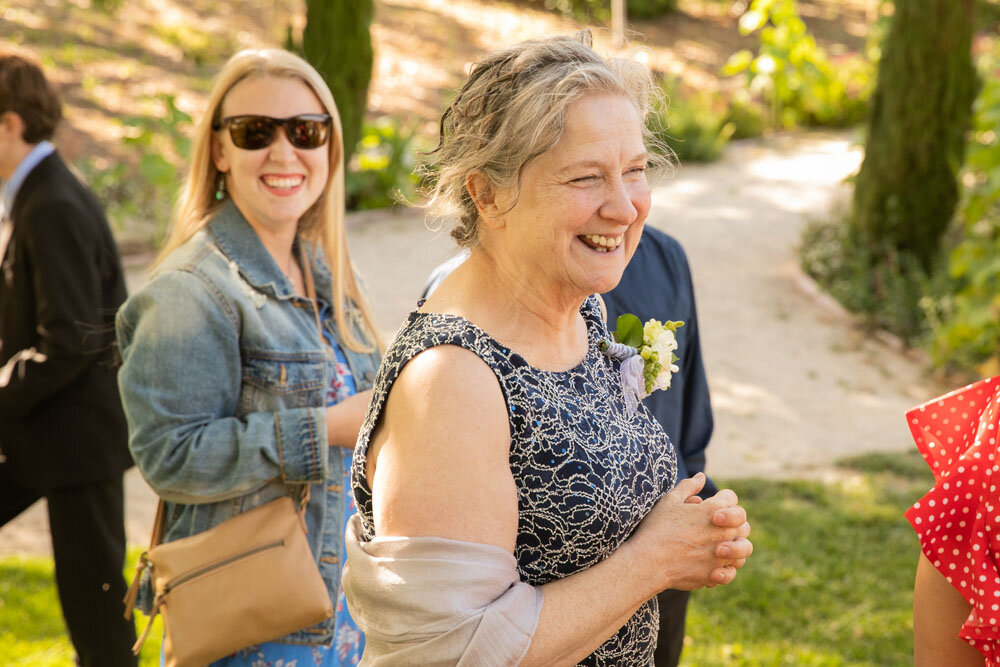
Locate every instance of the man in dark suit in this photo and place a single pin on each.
(62, 431)
(657, 285)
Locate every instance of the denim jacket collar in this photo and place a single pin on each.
(240, 243)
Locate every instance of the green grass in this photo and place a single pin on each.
(831, 579)
(830, 582)
(32, 632)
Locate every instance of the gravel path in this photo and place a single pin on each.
(794, 385)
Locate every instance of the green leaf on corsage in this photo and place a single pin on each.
(629, 331)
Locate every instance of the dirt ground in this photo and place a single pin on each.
(795, 385)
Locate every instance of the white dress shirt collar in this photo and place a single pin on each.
(11, 186)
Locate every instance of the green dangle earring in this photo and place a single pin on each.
(220, 187)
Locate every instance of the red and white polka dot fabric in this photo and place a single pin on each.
(958, 520)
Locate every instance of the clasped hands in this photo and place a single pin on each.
(695, 543)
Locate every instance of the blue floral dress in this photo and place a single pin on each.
(348, 642)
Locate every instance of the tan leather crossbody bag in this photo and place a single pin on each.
(251, 579)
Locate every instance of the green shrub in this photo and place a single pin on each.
(794, 75)
(890, 296)
(108, 6)
(693, 123)
(966, 321)
(988, 12)
(650, 8)
(138, 192)
(383, 169)
(746, 116)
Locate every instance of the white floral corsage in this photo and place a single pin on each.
(647, 353)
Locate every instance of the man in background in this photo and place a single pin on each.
(62, 430)
(657, 285)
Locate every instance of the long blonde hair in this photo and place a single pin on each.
(323, 224)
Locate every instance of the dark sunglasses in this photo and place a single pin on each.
(255, 132)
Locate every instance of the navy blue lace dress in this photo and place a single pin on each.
(586, 472)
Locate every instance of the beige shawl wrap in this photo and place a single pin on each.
(435, 601)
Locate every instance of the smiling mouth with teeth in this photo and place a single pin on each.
(283, 182)
(601, 243)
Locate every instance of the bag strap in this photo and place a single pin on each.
(307, 273)
(157, 535)
(133, 590)
(157, 603)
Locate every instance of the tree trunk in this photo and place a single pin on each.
(618, 22)
(337, 42)
(907, 189)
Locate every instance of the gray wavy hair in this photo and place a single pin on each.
(513, 108)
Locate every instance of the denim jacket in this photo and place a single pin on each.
(223, 380)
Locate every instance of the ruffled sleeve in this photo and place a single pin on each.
(957, 520)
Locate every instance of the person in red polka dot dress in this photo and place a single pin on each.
(956, 597)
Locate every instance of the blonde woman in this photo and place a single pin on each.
(234, 396)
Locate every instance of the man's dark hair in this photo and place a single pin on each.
(25, 91)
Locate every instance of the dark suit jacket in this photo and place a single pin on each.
(657, 285)
(61, 420)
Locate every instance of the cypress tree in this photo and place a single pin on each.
(907, 188)
(337, 42)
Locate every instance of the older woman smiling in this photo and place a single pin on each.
(498, 433)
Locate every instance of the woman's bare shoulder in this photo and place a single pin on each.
(449, 392)
(441, 453)
(445, 365)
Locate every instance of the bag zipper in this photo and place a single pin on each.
(188, 576)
